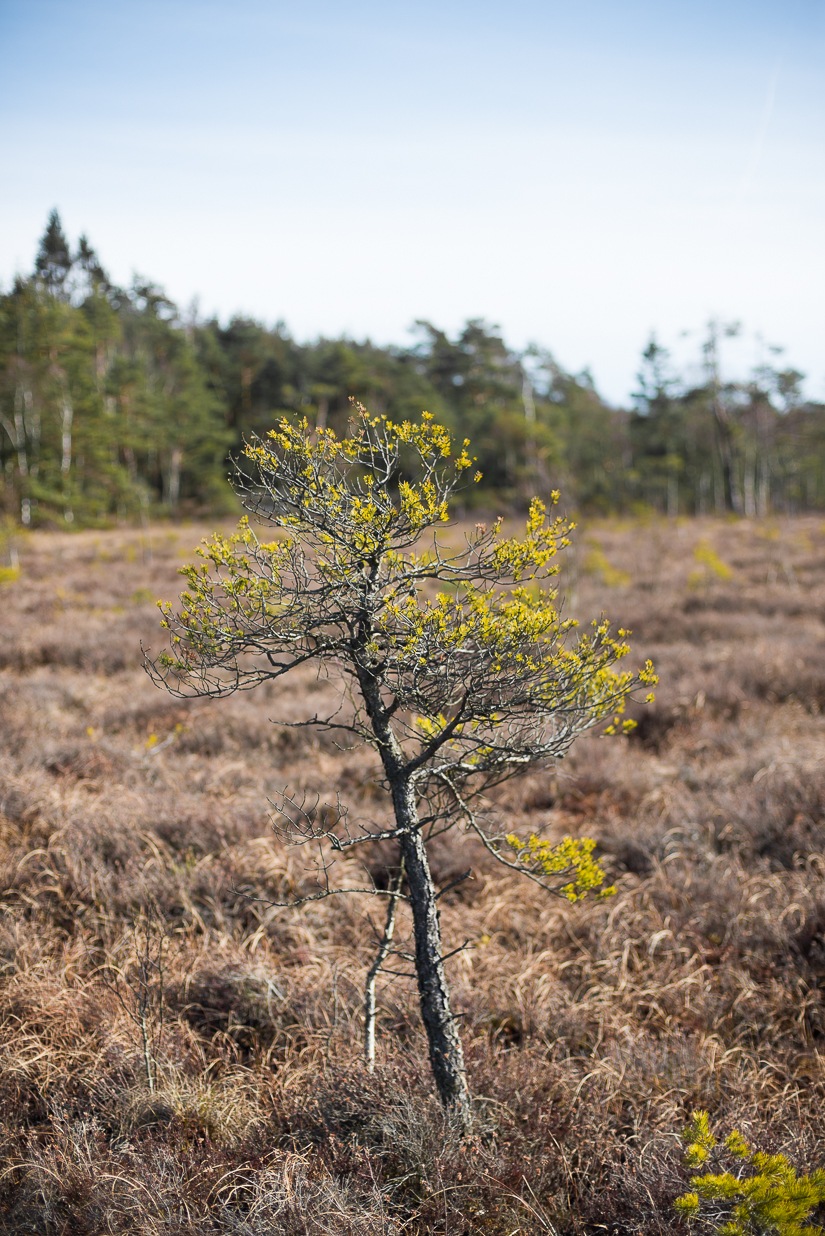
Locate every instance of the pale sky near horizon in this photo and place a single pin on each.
(579, 174)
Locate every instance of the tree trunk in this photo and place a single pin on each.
(20, 433)
(446, 1055)
(726, 458)
(173, 479)
(66, 457)
(31, 419)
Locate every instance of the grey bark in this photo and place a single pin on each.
(66, 437)
(445, 1051)
(31, 418)
(66, 457)
(173, 482)
(444, 1043)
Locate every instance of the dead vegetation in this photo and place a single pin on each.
(133, 825)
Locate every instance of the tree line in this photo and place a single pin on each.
(116, 406)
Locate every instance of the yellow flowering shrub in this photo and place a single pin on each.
(760, 1195)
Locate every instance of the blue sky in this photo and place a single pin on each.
(581, 174)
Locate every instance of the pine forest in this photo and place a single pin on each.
(115, 407)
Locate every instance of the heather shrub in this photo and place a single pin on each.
(591, 1032)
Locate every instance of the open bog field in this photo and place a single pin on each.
(223, 1092)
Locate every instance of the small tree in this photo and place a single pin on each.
(459, 669)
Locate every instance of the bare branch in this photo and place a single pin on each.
(468, 875)
(321, 895)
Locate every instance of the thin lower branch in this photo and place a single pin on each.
(330, 892)
(372, 973)
(468, 875)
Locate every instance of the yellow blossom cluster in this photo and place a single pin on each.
(567, 858)
(457, 637)
(764, 1194)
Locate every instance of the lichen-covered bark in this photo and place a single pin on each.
(446, 1054)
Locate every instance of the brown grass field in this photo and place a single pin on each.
(132, 824)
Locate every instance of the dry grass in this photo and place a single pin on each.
(591, 1032)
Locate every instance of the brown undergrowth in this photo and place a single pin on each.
(179, 1057)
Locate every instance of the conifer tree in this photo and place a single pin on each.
(53, 258)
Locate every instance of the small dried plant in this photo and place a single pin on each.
(138, 985)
